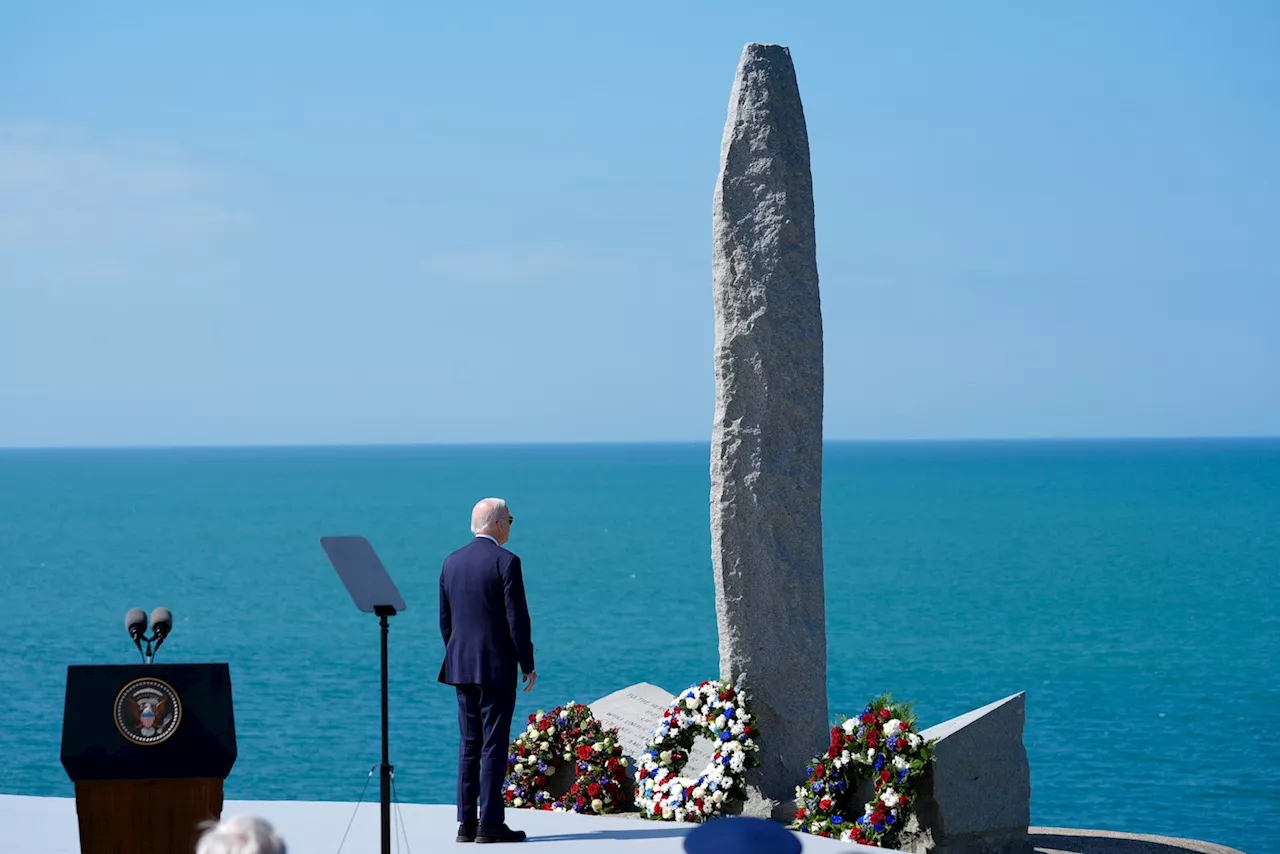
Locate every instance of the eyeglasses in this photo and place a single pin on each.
(510, 519)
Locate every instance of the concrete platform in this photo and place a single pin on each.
(48, 826)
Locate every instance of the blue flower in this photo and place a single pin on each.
(835, 819)
(903, 776)
(878, 828)
(879, 762)
(725, 736)
(728, 713)
(867, 710)
(862, 819)
(862, 732)
(725, 760)
(817, 787)
(893, 743)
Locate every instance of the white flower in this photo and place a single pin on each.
(890, 798)
(847, 836)
(844, 756)
(717, 797)
(914, 739)
(596, 805)
(691, 703)
(850, 725)
(517, 802)
(597, 747)
(622, 761)
(519, 768)
(891, 728)
(871, 755)
(570, 704)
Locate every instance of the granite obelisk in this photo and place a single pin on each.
(766, 448)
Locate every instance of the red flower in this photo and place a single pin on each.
(824, 804)
(539, 781)
(582, 802)
(885, 714)
(818, 771)
(644, 773)
(584, 751)
(510, 796)
(544, 724)
(867, 719)
(726, 694)
(532, 718)
(574, 788)
(698, 802)
(836, 734)
(800, 814)
(611, 764)
(872, 739)
(885, 776)
(877, 817)
(522, 750)
(833, 751)
(903, 800)
(748, 730)
(593, 789)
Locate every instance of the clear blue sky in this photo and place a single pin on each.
(412, 222)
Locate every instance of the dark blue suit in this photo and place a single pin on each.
(484, 620)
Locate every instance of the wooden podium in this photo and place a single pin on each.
(148, 747)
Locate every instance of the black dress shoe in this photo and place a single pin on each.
(466, 832)
(499, 833)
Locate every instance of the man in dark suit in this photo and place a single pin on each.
(484, 620)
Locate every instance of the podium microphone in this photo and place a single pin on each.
(161, 624)
(135, 621)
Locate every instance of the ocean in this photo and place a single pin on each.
(1129, 587)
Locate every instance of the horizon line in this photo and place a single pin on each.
(559, 443)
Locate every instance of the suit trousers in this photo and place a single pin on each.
(484, 724)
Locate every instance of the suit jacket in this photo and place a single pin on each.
(484, 618)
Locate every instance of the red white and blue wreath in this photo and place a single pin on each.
(714, 710)
(567, 735)
(879, 745)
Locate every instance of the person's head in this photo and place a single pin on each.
(241, 834)
(490, 516)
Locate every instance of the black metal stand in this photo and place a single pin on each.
(384, 611)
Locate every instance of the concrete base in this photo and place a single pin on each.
(48, 826)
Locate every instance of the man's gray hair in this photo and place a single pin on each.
(486, 515)
(241, 834)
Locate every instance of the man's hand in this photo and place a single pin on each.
(531, 678)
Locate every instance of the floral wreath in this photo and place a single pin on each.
(878, 745)
(566, 734)
(714, 710)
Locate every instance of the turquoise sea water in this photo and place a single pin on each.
(1128, 587)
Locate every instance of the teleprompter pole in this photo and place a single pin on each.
(384, 611)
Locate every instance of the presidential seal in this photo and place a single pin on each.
(148, 711)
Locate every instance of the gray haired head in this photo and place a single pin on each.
(241, 834)
(488, 516)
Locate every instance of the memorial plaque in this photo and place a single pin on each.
(636, 712)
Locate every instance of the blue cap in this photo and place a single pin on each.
(734, 834)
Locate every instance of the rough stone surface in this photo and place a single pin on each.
(636, 712)
(766, 451)
(976, 797)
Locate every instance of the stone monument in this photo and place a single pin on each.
(766, 449)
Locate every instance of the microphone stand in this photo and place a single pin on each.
(149, 655)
